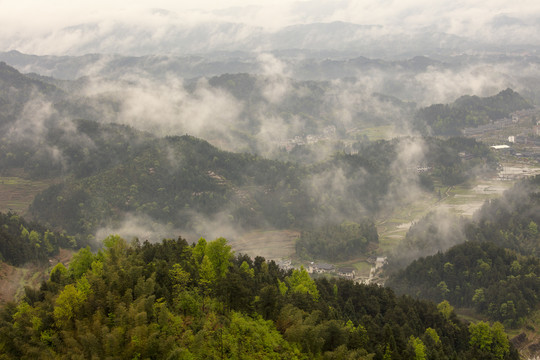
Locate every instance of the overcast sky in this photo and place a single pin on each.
(24, 20)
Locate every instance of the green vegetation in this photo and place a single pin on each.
(173, 300)
(110, 171)
(363, 268)
(457, 160)
(494, 271)
(337, 242)
(22, 242)
(16, 193)
(469, 111)
(509, 222)
(496, 282)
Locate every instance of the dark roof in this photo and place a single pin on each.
(324, 266)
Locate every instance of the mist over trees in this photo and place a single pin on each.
(469, 111)
(493, 269)
(324, 121)
(509, 222)
(495, 281)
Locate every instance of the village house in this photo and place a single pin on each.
(319, 268)
(346, 272)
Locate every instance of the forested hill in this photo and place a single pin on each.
(106, 172)
(469, 111)
(178, 179)
(510, 222)
(176, 301)
(169, 179)
(16, 89)
(22, 242)
(345, 241)
(495, 281)
(494, 270)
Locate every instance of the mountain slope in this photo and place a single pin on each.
(172, 300)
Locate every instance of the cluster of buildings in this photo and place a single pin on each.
(347, 272)
(328, 133)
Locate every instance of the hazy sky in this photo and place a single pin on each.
(26, 20)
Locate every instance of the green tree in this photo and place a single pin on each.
(418, 347)
(488, 342)
(206, 273)
(533, 228)
(69, 301)
(220, 255)
(81, 262)
(199, 250)
(301, 282)
(445, 309)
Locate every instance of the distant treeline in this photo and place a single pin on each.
(175, 301)
(22, 242)
(469, 111)
(337, 242)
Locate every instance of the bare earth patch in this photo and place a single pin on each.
(14, 279)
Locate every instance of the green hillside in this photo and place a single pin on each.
(175, 301)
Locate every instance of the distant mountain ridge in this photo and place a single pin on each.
(303, 64)
(176, 38)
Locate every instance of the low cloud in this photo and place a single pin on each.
(176, 27)
(139, 226)
(438, 231)
(166, 107)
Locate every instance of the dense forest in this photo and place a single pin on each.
(22, 242)
(345, 241)
(174, 178)
(497, 282)
(172, 300)
(494, 270)
(104, 171)
(510, 222)
(469, 111)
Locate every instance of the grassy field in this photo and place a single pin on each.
(375, 133)
(393, 226)
(275, 244)
(363, 268)
(462, 200)
(16, 193)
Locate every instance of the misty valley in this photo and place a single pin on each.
(283, 204)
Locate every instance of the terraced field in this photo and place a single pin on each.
(17, 193)
(276, 244)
